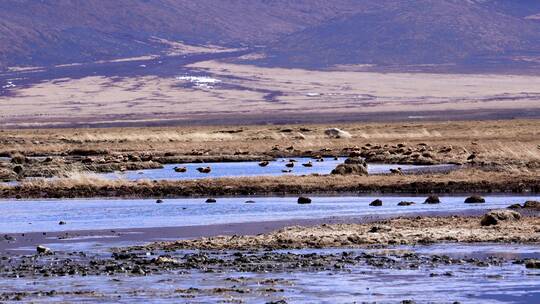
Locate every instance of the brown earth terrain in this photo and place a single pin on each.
(491, 156)
(136, 93)
(399, 231)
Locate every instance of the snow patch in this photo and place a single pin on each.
(200, 81)
(9, 85)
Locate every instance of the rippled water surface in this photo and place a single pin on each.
(89, 214)
(466, 283)
(239, 169)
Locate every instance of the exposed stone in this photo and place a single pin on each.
(532, 205)
(304, 200)
(496, 216)
(351, 169)
(337, 133)
(211, 200)
(475, 199)
(406, 203)
(204, 169)
(514, 206)
(376, 203)
(432, 199)
(43, 250)
(532, 264)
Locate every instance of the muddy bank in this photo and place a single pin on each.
(462, 181)
(144, 263)
(400, 231)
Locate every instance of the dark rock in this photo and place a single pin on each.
(532, 205)
(432, 199)
(350, 169)
(514, 206)
(180, 169)
(62, 223)
(43, 250)
(211, 200)
(308, 164)
(264, 163)
(533, 264)
(159, 201)
(496, 216)
(406, 203)
(18, 158)
(204, 170)
(376, 203)
(18, 169)
(475, 199)
(396, 171)
(356, 161)
(304, 200)
(249, 202)
(376, 229)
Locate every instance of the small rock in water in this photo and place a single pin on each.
(496, 216)
(304, 200)
(405, 203)
(249, 202)
(432, 199)
(43, 250)
(475, 199)
(396, 171)
(264, 163)
(9, 238)
(211, 200)
(532, 205)
(514, 206)
(532, 264)
(180, 169)
(205, 170)
(159, 201)
(376, 203)
(62, 223)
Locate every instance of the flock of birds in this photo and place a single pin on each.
(289, 165)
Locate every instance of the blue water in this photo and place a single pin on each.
(89, 214)
(239, 169)
(505, 283)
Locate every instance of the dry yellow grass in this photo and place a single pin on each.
(397, 231)
(516, 140)
(270, 92)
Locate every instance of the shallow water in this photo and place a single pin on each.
(466, 283)
(92, 214)
(242, 169)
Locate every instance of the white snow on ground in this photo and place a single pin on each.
(9, 85)
(200, 81)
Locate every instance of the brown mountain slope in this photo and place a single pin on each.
(413, 32)
(63, 31)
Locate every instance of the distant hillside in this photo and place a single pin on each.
(63, 31)
(414, 32)
(309, 33)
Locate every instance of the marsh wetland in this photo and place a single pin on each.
(386, 213)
